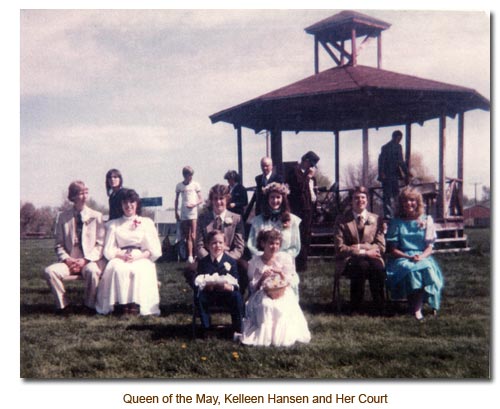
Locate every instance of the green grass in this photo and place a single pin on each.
(454, 345)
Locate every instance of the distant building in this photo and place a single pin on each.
(478, 215)
(165, 222)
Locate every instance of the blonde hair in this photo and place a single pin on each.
(74, 189)
(410, 193)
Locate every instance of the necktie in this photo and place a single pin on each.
(218, 223)
(361, 225)
(79, 227)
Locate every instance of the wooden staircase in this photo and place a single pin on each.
(322, 242)
(450, 239)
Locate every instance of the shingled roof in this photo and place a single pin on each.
(352, 97)
(340, 25)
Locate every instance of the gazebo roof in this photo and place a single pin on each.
(352, 97)
(340, 25)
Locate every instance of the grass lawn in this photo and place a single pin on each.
(454, 345)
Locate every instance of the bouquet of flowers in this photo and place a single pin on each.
(274, 286)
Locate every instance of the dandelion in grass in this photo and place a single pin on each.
(183, 346)
(203, 358)
(235, 355)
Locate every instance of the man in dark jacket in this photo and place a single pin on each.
(391, 169)
(301, 183)
(268, 176)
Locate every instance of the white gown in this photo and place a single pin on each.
(136, 281)
(278, 322)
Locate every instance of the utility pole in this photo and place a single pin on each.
(475, 192)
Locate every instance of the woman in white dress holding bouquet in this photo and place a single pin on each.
(129, 283)
(273, 314)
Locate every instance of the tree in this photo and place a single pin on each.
(418, 169)
(486, 194)
(36, 222)
(27, 213)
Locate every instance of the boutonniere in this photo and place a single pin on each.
(135, 223)
(227, 266)
(370, 220)
(228, 221)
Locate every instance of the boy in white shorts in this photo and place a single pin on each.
(190, 191)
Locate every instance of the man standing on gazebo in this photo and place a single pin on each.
(391, 169)
(301, 183)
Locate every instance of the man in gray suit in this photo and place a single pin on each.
(79, 248)
(218, 217)
(391, 169)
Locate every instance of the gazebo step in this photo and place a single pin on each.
(451, 250)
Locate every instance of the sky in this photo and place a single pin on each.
(134, 89)
(90, 90)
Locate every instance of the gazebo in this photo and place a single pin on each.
(354, 97)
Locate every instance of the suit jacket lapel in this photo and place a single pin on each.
(210, 221)
(353, 229)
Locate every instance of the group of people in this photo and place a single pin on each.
(115, 259)
(400, 259)
(224, 268)
(393, 252)
(258, 279)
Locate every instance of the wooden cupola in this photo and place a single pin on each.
(336, 32)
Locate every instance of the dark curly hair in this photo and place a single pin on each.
(265, 236)
(267, 212)
(130, 195)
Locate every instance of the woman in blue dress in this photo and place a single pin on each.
(412, 272)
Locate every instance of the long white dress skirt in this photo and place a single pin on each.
(125, 283)
(278, 322)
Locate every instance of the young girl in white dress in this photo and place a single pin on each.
(273, 314)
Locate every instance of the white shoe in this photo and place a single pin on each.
(237, 337)
(190, 260)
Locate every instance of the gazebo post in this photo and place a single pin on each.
(379, 51)
(277, 149)
(460, 154)
(240, 153)
(366, 158)
(408, 145)
(316, 55)
(441, 181)
(337, 167)
(354, 52)
(337, 158)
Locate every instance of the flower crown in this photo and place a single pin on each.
(281, 188)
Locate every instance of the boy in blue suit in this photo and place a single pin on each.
(216, 282)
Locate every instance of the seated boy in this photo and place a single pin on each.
(216, 282)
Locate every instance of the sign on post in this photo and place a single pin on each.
(151, 201)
